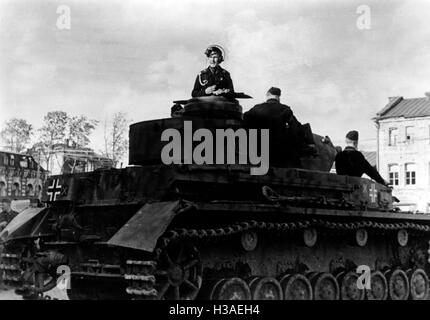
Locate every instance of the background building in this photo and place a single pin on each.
(403, 150)
(66, 159)
(21, 177)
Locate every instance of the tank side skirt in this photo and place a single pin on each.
(231, 207)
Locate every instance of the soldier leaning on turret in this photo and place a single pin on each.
(213, 80)
(351, 162)
(287, 138)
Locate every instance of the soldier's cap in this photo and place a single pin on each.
(274, 91)
(214, 49)
(176, 107)
(352, 135)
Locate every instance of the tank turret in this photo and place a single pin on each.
(211, 113)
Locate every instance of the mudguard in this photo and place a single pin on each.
(146, 226)
(17, 223)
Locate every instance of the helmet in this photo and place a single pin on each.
(217, 49)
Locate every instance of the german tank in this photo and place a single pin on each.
(215, 231)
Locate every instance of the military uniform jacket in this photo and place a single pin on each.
(271, 114)
(352, 163)
(209, 77)
(284, 141)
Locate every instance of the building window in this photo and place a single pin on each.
(410, 173)
(23, 163)
(393, 174)
(16, 190)
(12, 160)
(392, 139)
(409, 134)
(3, 189)
(29, 191)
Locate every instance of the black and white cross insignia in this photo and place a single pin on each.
(53, 190)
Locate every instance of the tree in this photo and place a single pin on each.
(52, 132)
(16, 134)
(80, 129)
(60, 128)
(116, 137)
(54, 127)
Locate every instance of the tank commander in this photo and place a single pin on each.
(351, 162)
(7, 214)
(213, 80)
(287, 138)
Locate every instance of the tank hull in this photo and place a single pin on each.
(241, 236)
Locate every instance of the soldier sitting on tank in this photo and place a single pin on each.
(213, 80)
(286, 138)
(351, 162)
(7, 214)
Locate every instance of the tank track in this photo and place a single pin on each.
(11, 269)
(141, 277)
(10, 266)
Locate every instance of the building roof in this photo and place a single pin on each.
(78, 152)
(15, 153)
(28, 156)
(370, 156)
(407, 108)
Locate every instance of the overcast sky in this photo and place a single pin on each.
(139, 56)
